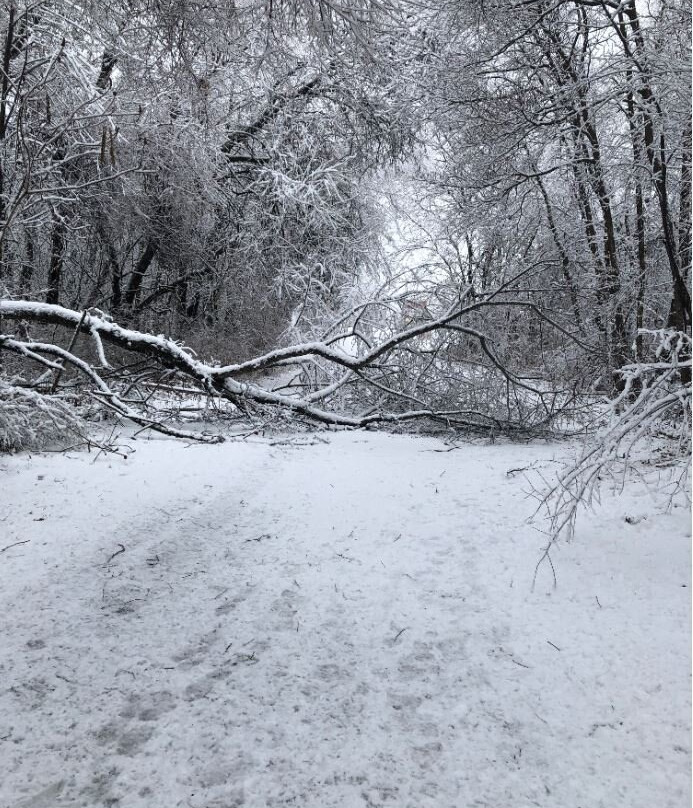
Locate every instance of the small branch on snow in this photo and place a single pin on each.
(399, 634)
(117, 553)
(513, 472)
(15, 544)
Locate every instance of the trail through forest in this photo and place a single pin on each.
(343, 620)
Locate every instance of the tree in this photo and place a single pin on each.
(196, 189)
(564, 122)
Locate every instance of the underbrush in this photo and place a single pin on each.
(30, 420)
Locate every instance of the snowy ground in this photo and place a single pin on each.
(339, 623)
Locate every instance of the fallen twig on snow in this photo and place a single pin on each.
(117, 553)
(14, 544)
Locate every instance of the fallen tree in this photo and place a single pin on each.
(347, 378)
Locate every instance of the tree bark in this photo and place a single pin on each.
(55, 268)
(134, 286)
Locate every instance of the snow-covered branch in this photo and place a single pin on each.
(655, 404)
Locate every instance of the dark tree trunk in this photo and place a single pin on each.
(680, 311)
(4, 92)
(55, 268)
(565, 260)
(108, 61)
(6, 58)
(27, 271)
(135, 284)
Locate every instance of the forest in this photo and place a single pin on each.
(339, 236)
(477, 214)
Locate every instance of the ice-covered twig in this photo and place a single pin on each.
(655, 400)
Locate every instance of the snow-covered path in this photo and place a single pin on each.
(347, 622)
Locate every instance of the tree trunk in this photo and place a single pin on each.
(55, 269)
(135, 284)
(565, 260)
(27, 271)
(679, 313)
(685, 205)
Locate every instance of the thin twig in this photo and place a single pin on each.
(26, 541)
(399, 634)
(117, 553)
